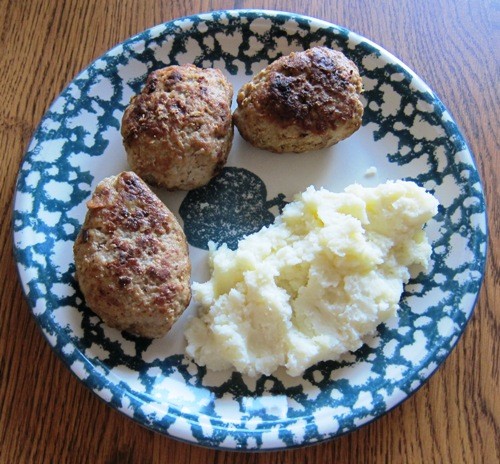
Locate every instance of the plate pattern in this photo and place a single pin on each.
(75, 145)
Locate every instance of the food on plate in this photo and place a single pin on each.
(313, 284)
(303, 101)
(131, 258)
(371, 171)
(178, 131)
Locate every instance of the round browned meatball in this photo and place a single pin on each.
(178, 131)
(131, 258)
(304, 101)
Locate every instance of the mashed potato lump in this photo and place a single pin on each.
(310, 286)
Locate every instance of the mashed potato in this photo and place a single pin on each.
(313, 284)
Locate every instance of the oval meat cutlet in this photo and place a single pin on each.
(131, 258)
(303, 101)
(178, 131)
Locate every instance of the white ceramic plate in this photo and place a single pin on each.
(406, 134)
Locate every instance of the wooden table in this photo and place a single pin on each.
(46, 415)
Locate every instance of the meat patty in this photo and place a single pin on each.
(178, 131)
(131, 258)
(304, 101)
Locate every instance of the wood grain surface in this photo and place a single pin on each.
(47, 416)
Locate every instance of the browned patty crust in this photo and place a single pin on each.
(303, 101)
(178, 131)
(131, 258)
